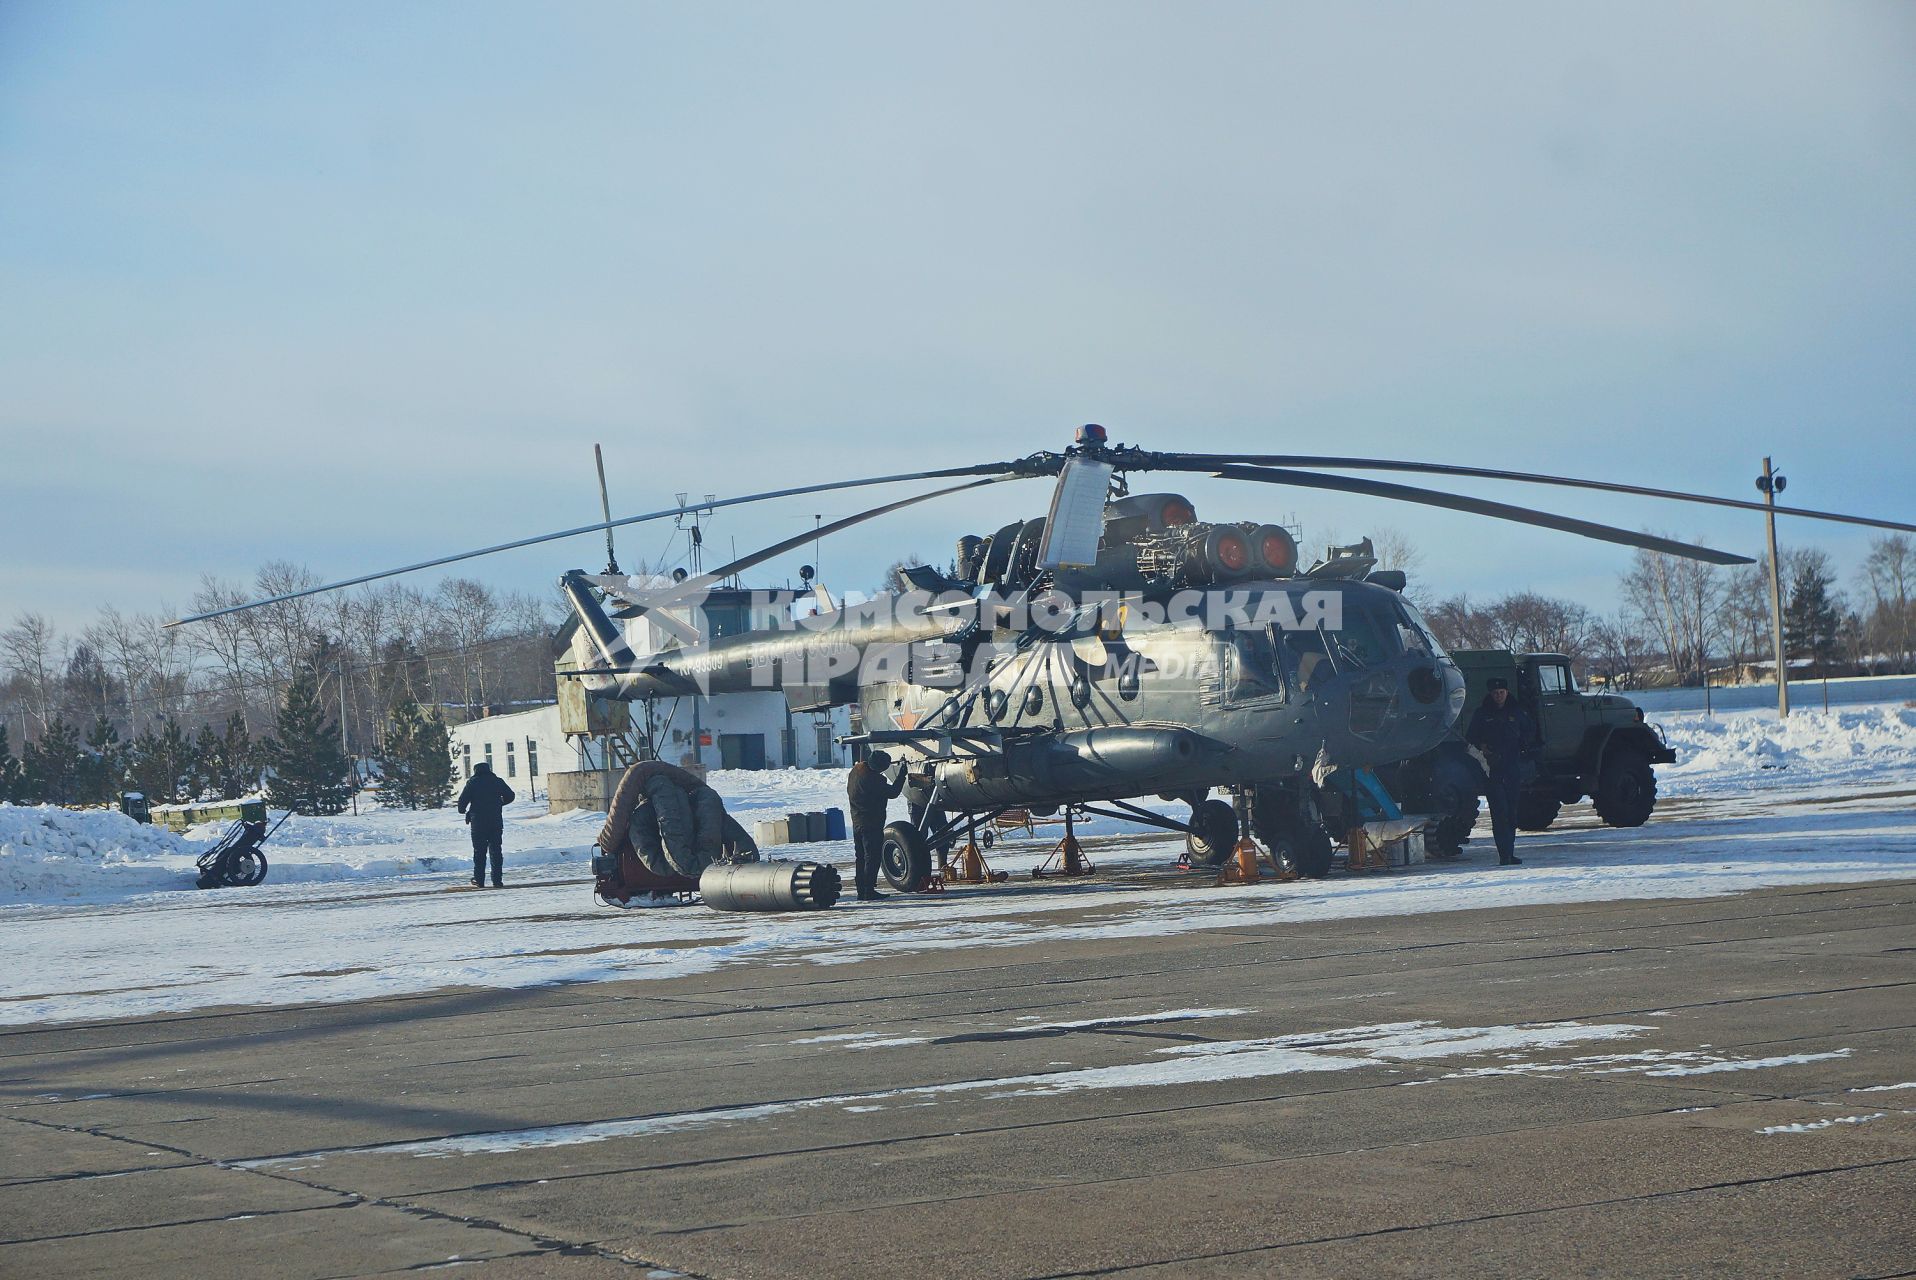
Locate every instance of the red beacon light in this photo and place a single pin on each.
(1091, 433)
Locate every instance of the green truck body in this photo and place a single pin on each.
(1592, 744)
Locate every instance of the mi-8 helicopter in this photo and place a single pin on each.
(1114, 649)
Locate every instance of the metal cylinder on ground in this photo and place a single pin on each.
(769, 886)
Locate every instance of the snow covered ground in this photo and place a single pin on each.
(102, 921)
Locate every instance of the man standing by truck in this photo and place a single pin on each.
(869, 795)
(1507, 736)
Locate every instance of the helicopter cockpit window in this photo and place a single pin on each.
(1369, 633)
(1308, 656)
(1252, 666)
(1416, 633)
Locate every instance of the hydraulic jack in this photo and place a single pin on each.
(1069, 855)
(971, 867)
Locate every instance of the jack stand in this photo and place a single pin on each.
(1074, 862)
(972, 867)
(1243, 868)
(1364, 856)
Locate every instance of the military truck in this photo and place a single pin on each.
(1594, 744)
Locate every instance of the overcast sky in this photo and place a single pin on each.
(353, 284)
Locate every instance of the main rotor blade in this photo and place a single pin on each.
(823, 531)
(1023, 467)
(691, 587)
(1475, 506)
(1205, 460)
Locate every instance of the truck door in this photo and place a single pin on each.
(1559, 710)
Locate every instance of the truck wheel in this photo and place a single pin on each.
(1286, 834)
(1217, 821)
(905, 858)
(1627, 791)
(1536, 810)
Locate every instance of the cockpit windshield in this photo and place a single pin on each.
(1367, 633)
(1416, 633)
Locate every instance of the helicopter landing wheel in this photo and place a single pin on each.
(1289, 831)
(905, 858)
(1213, 837)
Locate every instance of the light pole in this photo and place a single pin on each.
(1771, 483)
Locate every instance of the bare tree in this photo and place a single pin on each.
(1461, 625)
(1528, 622)
(1745, 616)
(471, 619)
(227, 642)
(1681, 601)
(1889, 576)
(1620, 650)
(121, 643)
(36, 654)
(284, 634)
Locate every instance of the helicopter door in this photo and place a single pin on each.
(1559, 708)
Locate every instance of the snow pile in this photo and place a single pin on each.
(58, 855)
(51, 853)
(1755, 751)
(343, 831)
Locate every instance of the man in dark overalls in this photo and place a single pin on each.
(869, 795)
(1507, 736)
(485, 797)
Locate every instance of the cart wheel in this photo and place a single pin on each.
(247, 869)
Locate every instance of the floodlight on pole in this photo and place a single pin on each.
(1771, 483)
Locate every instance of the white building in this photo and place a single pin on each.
(731, 730)
(750, 730)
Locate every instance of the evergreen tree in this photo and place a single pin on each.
(146, 767)
(309, 771)
(235, 760)
(204, 774)
(105, 763)
(174, 768)
(53, 764)
(1812, 620)
(10, 780)
(415, 755)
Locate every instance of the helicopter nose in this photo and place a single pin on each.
(1426, 683)
(1393, 714)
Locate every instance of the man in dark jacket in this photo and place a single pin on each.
(485, 796)
(1507, 736)
(869, 795)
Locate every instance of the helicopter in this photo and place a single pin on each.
(1114, 649)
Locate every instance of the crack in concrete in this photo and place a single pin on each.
(1671, 1193)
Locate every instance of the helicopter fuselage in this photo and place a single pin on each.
(1146, 702)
